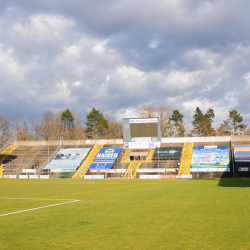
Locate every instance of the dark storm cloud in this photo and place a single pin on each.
(116, 55)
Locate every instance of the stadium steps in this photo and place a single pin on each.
(4, 154)
(189, 158)
(82, 170)
(137, 165)
(150, 156)
(125, 156)
(129, 169)
(183, 158)
(186, 158)
(43, 165)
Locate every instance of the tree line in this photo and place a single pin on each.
(67, 126)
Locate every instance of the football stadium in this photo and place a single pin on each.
(139, 192)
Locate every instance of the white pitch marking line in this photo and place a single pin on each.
(246, 179)
(38, 199)
(36, 207)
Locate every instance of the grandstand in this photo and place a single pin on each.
(30, 158)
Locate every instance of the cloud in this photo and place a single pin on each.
(117, 55)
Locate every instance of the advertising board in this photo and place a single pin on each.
(107, 155)
(68, 158)
(151, 170)
(150, 177)
(34, 176)
(44, 176)
(241, 153)
(142, 144)
(29, 170)
(243, 169)
(167, 152)
(23, 176)
(108, 170)
(170, 177)
(210, 159)
(93, 176)
(101, 165)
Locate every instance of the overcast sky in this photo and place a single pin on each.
(119, 54)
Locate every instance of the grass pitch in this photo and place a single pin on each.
(125, 214)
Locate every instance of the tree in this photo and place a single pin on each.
(67, 120)
(222, 130)
(5, 130)
(234, 123)
(176, 124)
(96, 124)
(115, 129)
(202, 123)
(148, 111)
(44, 127)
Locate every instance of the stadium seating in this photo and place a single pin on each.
(86, 163)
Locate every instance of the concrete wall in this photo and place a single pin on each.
(67, 142)
(196, 139)
(213, 139)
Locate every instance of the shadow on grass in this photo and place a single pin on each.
(235, 182)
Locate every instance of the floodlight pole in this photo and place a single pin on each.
(158, 159)
(197, 159)
(232, 155)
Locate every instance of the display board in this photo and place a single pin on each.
(167, 152)
(141, 133)
(68, 158)
(241, 153)
(105, 158)
(210, 159)
(101, 165)
(107, 155)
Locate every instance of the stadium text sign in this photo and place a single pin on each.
(210, 159)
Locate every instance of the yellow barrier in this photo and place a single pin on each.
(82, 170)
(186, 158)
(4, 154)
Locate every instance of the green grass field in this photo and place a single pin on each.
(125, 214)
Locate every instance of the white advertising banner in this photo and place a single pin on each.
(23, 176)
(209, 170)
(186, 176)
(93, 176)
(148, 120)
(44, 176)
(142, 144)
(10, 176)
(150, 176)
(29, 170)
(107, 170)
(243, 169)
(151, 170)
(35, 176)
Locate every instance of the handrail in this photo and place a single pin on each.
(50, 158)
(8, 143)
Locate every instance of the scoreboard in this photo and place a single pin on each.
(141, 132)
(144, 130)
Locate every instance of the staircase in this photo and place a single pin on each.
(186, 159)
(125, 156)
(130, 167)
(4, 154)
(82, 170)
(137, 165)
(150, 156)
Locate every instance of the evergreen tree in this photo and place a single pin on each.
(67, 120)
(234, 123)
(202, 123)
(96, 124)
(176, 124)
